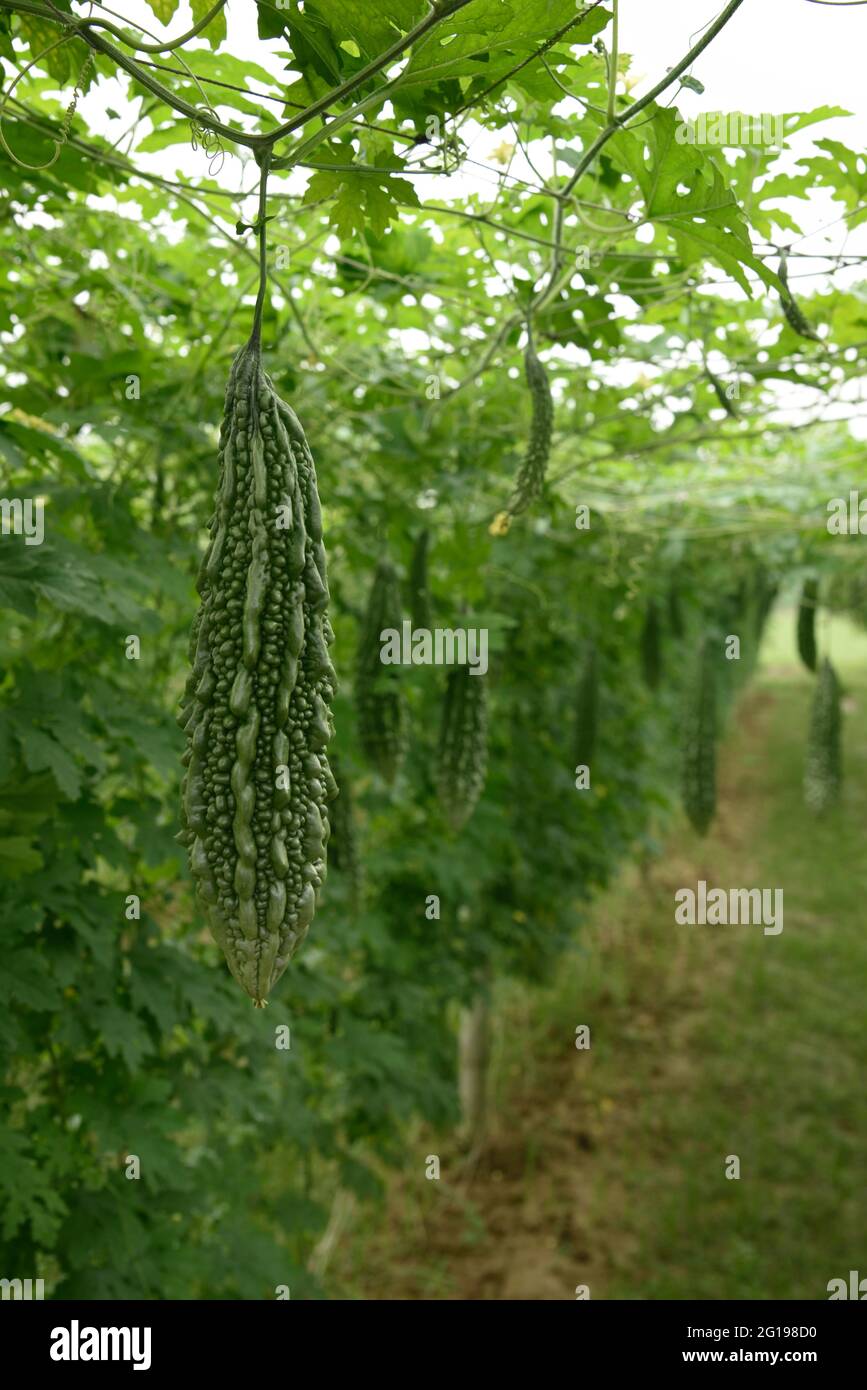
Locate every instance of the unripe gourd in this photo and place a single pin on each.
(587, 707)
(807, 623)
(378, 696)
(419, 598)
(531, 475)
(256, 709)
(699, 746)
(462, 755)
(823, 774)
(343, 854)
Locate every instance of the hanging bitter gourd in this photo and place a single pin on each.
(379, 699)
(419, 598)
(675, 612)
(823, 774)
(257, 704)
(795, 316)
(343, 855)
(462, 756)
(587, 710)
(699, 746)
(651, 647)
(531, 475)
(765, 597)
(807, 623)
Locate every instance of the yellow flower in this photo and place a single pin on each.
(503, 153)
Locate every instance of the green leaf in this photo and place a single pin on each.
(29, 1191)
(374, 27)
(17, 857)
(164, 9)
(216, 30)
(360, 200)
(42, 752)
(40, 34)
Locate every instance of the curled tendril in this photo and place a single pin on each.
(80, 82)
(212, 145)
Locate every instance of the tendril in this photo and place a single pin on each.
(80, 83)
(210, 141)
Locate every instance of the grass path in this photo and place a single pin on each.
(607, 1167)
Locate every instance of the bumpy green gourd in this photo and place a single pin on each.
(587, 709)
(531, 475)
(257, 704)
(807, 623)
(795, 316)
(419, 598)
(765, 596)
(824, 769)
(651, 647)
(721, 395)
(462, 756)
(379, 699)
(343, 852)
(699, 741)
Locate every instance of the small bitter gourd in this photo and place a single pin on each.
(419, 598)
(257, 704)
(823, 774)
(343, 854)
(587, 708)
(379, 699)
(462, 754)
(807, 623)
(531, 475)
(651, 647)
(720, 393)
(795, 316)
(699, 746)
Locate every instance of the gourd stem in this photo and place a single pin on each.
(261, 229)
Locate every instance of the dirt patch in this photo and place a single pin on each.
(547, 1204)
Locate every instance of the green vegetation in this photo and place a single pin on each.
(607, 1165)
(534, 338)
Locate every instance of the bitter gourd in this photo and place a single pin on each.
(699, 746)
(795, 316)
(720, 393)
(807, 623)
(419, 598)
(531, 475)
(463, 745)
(823, 774)
(379, 699)
(257, 704)
(587, 710)
(343, 852)
(651, 647)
